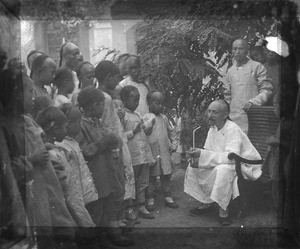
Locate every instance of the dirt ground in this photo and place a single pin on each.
(180, 218)
(175, 228)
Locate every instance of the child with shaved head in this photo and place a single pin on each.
(65, 85)
(162, 143)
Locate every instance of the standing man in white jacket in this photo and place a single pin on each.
(246, 83)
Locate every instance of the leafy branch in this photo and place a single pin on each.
(177, 50)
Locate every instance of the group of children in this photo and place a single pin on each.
(90, 158)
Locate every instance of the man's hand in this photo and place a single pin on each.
(194, 162)
(194, 152)
(247, 106)
(272, 141)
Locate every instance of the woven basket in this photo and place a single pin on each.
(262, 124)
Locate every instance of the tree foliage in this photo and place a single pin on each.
(176, 50)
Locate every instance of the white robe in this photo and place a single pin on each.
(215, 178)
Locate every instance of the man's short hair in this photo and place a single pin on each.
(225, 104)
(242, 40)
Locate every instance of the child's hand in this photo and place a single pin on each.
(110, 141)
(137, 128)
(115, 153)
(90, 149)
(149, 120)
(39, 157)
(49, 146)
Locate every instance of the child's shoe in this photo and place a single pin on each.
(121, 223)
(170, 203)
(130, 215)
(137, 220)
(146, 215)
(150, 205)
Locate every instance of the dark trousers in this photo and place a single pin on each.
(102, 210)
(118, 206)
(165, 181)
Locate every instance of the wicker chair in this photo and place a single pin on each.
(262, 124)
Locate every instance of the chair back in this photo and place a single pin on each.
(262, 124)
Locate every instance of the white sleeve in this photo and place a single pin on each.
(264, 85)
(227, 87)
(210, 158)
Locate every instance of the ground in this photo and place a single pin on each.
(175, 228)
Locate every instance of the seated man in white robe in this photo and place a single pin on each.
(211, 177)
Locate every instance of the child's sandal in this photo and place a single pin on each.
(171, 204)
(130, 215)
(150, 206)
(121, 223)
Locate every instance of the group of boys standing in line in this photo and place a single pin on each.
(89, 145)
